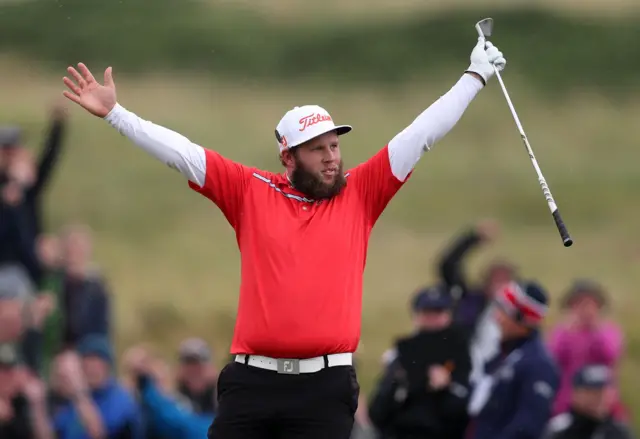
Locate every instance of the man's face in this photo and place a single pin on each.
(592, 402)
(498, 278)
(76, 248)
(11, 318)
(433, 319)
(194, 374)
(316, 167)
(509, 328)
(8, 379)
(96, 370)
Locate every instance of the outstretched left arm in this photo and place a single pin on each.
(406, 148)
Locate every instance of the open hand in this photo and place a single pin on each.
(88, 93)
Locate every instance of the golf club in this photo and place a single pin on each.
(485, 29)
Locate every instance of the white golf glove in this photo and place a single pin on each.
(483, 57)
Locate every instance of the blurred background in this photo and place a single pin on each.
(121, 247)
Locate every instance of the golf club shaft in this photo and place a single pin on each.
(564, 234)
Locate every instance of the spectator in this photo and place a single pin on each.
(590, 413)
(514, 398)
(22, 185)
(15, 292)
(23, 410)
(99, 406)
(166, 414)
(21, 313)
(473, 311)
(424, 389)
(585, 337)
(197, 376)
(85, 301)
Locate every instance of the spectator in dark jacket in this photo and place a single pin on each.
(590, 414)
(424, 390)
(23, 410)
(473, 303)
(22, 185)
(197, 376)
(85, 300)
(514, 398)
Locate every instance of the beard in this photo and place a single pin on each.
(313, 186)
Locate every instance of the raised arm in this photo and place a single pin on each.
(379, 178)
(221, 180)
(171, 148)
(406, 148)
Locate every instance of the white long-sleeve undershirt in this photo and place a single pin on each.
(405, 149)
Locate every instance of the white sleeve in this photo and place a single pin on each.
(406, 148)
(171, 148)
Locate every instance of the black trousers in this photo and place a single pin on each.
(256, 403)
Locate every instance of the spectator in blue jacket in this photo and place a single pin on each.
(514, 397)
(99, 407)
(167, 415)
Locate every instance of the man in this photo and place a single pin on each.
(424, 390)
(590, 414)
(473, 310)
(513, 400)
(99, 407)
(303, 238)
(85, 300)
(23, 181)
(197, 376)
(23, 407)
(165, 416)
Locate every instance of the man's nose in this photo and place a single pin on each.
(330, 156)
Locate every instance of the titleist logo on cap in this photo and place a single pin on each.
(313, 119)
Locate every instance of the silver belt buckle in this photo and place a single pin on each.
(288, 366)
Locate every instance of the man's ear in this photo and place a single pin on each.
(286, 158)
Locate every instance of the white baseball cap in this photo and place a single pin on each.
(304, 123)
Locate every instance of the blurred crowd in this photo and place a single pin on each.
(478, 363)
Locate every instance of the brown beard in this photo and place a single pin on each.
(312, 186)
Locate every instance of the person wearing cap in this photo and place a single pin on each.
(424, 389)
(99, 406)
(585, 336)
(514, 397)
(303, 237)
(473, 310)
(590, 414)
(197, 376)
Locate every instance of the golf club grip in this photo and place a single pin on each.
(564, 233)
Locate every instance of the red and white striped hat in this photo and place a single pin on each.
(526, 302)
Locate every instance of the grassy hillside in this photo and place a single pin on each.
(171, 258)
(385, 9)
(555, 53)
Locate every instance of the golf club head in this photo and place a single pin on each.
(485, 27)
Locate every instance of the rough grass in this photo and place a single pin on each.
(386, 9)
(171, 258)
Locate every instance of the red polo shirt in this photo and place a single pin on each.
(302, 262)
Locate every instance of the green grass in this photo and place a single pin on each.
(172, 261)
(556, 53)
